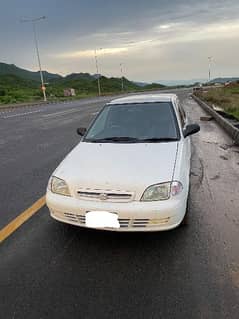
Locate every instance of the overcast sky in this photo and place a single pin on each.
(153, 39)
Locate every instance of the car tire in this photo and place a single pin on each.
(185, 220)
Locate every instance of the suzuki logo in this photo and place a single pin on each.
(103, 196)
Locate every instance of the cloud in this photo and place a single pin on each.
(157, 35)
(154, 39)
(165, 26)
(90, 53)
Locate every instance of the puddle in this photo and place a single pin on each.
(215, 177)
(224, 158)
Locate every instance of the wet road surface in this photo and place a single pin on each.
(52, 270)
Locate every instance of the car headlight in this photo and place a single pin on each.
(162, 191)
(59, 186)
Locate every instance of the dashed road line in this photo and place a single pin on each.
(61, 113)
(21, 114)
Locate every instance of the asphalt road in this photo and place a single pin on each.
(52, 270)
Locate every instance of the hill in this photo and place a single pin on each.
(16, 89)
(153, 86)
(19, 85)
(86, 84)
(181, 82)
(224, 80)
(10, 81)
(6, 69)
(76, 77)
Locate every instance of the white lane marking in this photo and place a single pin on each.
(20, 114)
(61, 113)
(94, 113)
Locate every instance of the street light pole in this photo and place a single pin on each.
(209, 68)
(122, 77)
(33, 21)
(97, 72)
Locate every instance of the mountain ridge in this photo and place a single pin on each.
(19, 85)
(7, 69)
(224, 79)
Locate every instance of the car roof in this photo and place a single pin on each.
(144, 98)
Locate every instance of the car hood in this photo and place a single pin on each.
(114, 166)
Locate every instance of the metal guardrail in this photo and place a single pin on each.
(224, 123)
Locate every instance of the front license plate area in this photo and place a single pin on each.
(101, 219)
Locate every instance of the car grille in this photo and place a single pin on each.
(105, 195)
(124, 222)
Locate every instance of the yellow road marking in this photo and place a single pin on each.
(22, 218)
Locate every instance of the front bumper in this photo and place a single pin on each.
(133, 216)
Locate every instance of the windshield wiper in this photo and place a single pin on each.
(114, 139)
(159, 139)
(129, 139)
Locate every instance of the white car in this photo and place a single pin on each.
(130, 171)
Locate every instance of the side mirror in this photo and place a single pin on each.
(191, 129)
(81, 131)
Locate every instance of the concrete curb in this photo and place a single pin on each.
(226, 125)
(19, 105)
(16, 106)
(42, 103)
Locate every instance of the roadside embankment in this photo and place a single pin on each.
(230, 126)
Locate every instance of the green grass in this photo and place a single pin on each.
(226, 98)
(14, 89)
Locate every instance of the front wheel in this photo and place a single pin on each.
(185, 220)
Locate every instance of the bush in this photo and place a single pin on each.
(8, 99)
(2, 92)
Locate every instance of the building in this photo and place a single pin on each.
(69, 92)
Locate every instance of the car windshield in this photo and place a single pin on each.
(145, 122)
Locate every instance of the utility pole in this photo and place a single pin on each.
(97, 72)
(209, 68)
(34, 21)
(122, 77)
